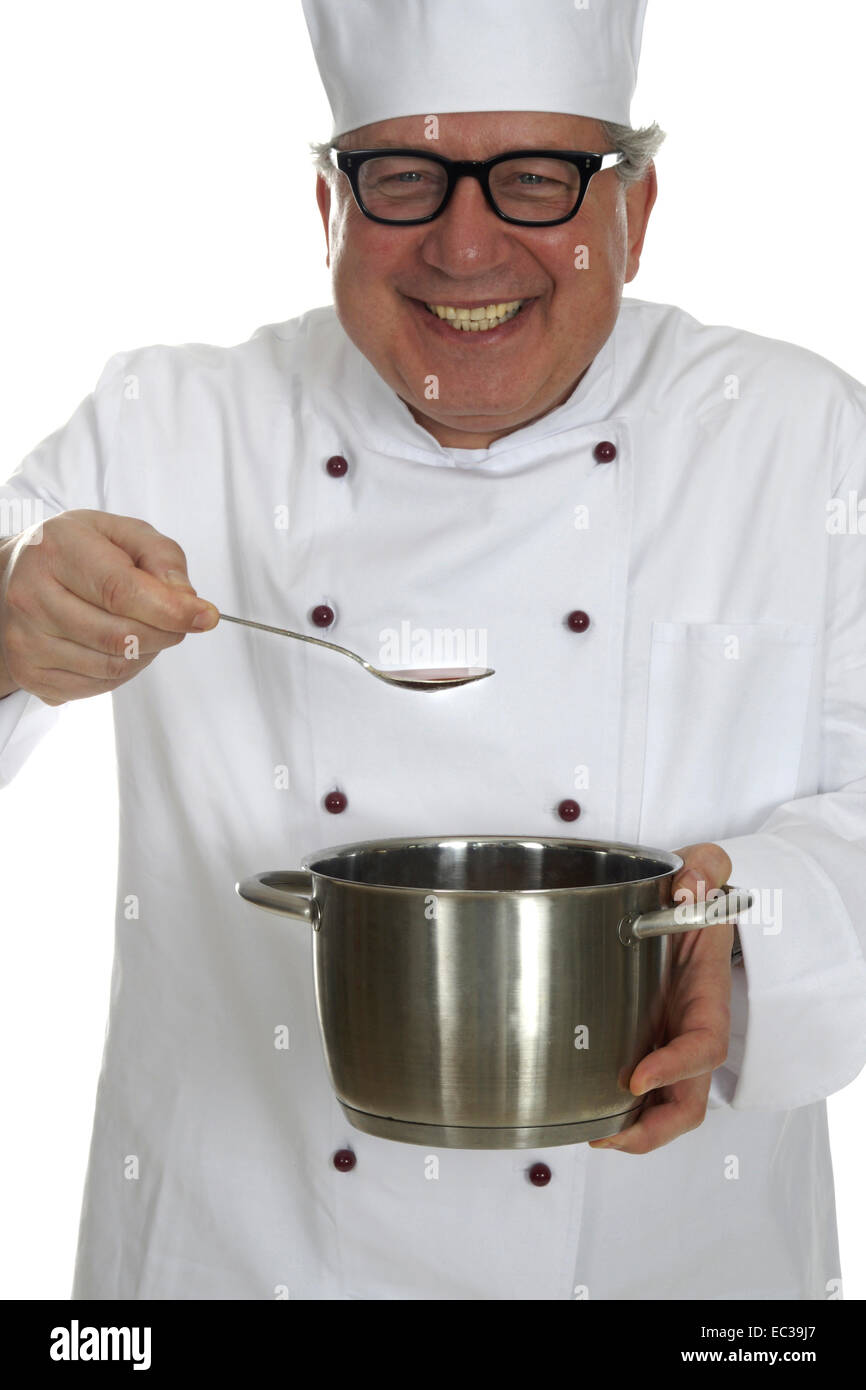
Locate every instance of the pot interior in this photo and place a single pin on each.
(489, 864)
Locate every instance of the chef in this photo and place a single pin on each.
(633, 511)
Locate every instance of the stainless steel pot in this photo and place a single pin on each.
(487, 992)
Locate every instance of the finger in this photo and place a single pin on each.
(664, 1120)
(705, 866)
(64, 671)
(91, 566)
(54, 657)
(55, 612)
(56, 687)
(691, 1054)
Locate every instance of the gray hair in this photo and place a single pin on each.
(639, 146)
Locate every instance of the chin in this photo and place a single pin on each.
(474, 420)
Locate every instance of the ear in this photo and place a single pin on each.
(639, 198)
(323, 198)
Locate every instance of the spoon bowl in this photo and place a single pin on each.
(441, 678)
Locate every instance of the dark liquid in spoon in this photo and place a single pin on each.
(439, 673)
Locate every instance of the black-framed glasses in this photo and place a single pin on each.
(530, 188)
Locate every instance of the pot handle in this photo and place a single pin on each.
(287, 891)
(667, 921)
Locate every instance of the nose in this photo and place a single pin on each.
(467, 235)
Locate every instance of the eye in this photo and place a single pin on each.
(408, 175)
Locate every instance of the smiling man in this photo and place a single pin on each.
(480, 435)
(404, 293)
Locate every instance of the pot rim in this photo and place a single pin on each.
(405, 841)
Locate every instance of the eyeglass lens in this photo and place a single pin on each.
(530, 188)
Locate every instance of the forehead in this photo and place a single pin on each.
(481, 134)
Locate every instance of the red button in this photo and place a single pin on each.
(344, 1160)
(337, 466)
(322, 616)
(568, 810)
(605, 452)
(539, 1175)
(578, 621)
(335, 802)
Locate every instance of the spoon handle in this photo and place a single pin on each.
(300, 636)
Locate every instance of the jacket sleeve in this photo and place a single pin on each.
(799, 1004)
(66, 471)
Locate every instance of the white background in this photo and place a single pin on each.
(158, 189)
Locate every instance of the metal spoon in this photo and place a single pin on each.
(445, 679)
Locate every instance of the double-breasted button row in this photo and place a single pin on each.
(344, 1160)
(323, 615)
(337, 801)
(578, 620)
(337, 466)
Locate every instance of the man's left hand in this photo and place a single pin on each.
(678, 1074)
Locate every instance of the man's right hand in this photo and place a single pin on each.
(91, 604)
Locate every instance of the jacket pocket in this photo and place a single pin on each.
(727, 705)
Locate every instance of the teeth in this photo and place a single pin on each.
(476, 320)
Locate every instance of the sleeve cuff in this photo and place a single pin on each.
(798, 1014)
(24, 720)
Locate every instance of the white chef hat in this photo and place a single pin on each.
(380, 59)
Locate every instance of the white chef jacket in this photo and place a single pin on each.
(718, 693)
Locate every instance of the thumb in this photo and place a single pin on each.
(178, 579)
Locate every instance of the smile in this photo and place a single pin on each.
(477, 320)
